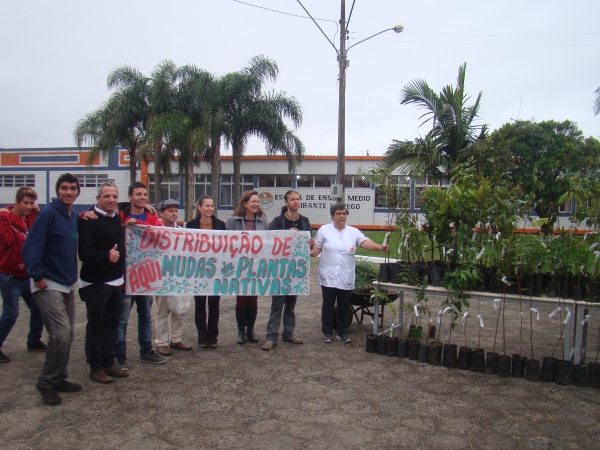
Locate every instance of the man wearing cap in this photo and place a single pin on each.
(168, 210)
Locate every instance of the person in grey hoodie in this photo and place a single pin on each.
(50, 256)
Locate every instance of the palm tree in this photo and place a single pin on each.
(248, 111)
(120, 121)
(597, 102)
(128, 117)
(197, 98)
(453, 137)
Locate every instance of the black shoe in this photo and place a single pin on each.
(251, 336)
(37, 346)
(4, 358)
(49, 395)
(241, 336)
(67, 386)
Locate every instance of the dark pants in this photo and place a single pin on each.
(58, 313)
(104, 304)
(343, 310)
(246, 308)
(207, 334)
(12, 288)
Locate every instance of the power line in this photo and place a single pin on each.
(282, 12)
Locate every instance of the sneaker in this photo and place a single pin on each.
(49, 395)
(37, 346)
(121, 363)
(67, 386)
(269, 345)
(4, 358)
(326, 339)
(153, 358)
(292, 339)
(344, 339)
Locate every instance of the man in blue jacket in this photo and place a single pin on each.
(50, 256)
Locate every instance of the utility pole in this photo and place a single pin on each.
(342, 63)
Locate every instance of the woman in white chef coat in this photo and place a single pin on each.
(336, 243)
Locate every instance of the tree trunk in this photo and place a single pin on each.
(237, 150)
(215, 169)
(157, 173)
(132, 168)
(189, 191)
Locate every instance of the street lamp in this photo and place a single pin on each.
(343, 64)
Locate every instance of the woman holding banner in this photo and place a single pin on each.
(205, 220)
(336, 243)
(290, 219)
(247, 216)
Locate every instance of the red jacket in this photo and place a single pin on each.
(13, 231)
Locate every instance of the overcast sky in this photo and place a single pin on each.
(534, 59)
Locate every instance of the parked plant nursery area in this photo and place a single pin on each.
(485, 296)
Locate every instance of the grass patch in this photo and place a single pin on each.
(378, 236)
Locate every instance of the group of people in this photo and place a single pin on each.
(38, 262)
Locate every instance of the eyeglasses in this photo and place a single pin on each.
(341, 213)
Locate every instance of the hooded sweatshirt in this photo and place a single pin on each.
(13, 231)
(50, 250)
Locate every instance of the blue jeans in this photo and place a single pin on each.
(12, 288)
(144, 305)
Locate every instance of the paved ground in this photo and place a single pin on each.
(297, 396)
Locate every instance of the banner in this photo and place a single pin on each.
(185, 261)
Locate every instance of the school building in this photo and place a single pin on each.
(39, 168)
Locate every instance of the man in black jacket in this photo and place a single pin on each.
(102, 253)
(285, 305)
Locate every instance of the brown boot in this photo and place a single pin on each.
(114, 371)
(100, 376)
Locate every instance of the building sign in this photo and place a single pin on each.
(184, 261)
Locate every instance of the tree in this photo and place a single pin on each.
(248, 111)
(544, 155)
(120, 121)
(453, 138)
(597, 102)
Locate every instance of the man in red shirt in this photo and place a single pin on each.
(15, 222)
(135, 213)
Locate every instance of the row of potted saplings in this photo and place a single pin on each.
(465, 358)
(491, 281)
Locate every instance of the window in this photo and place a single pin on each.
(92, 181)
(395, 196)
(247, 183)
(17, 181)
(202, 186)
(170, 189)
(318, 181)
(274, 181)
(283, 181)
(565, 207)
(356, 181)
(304, 181)
(266, 181)
(322, 180)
